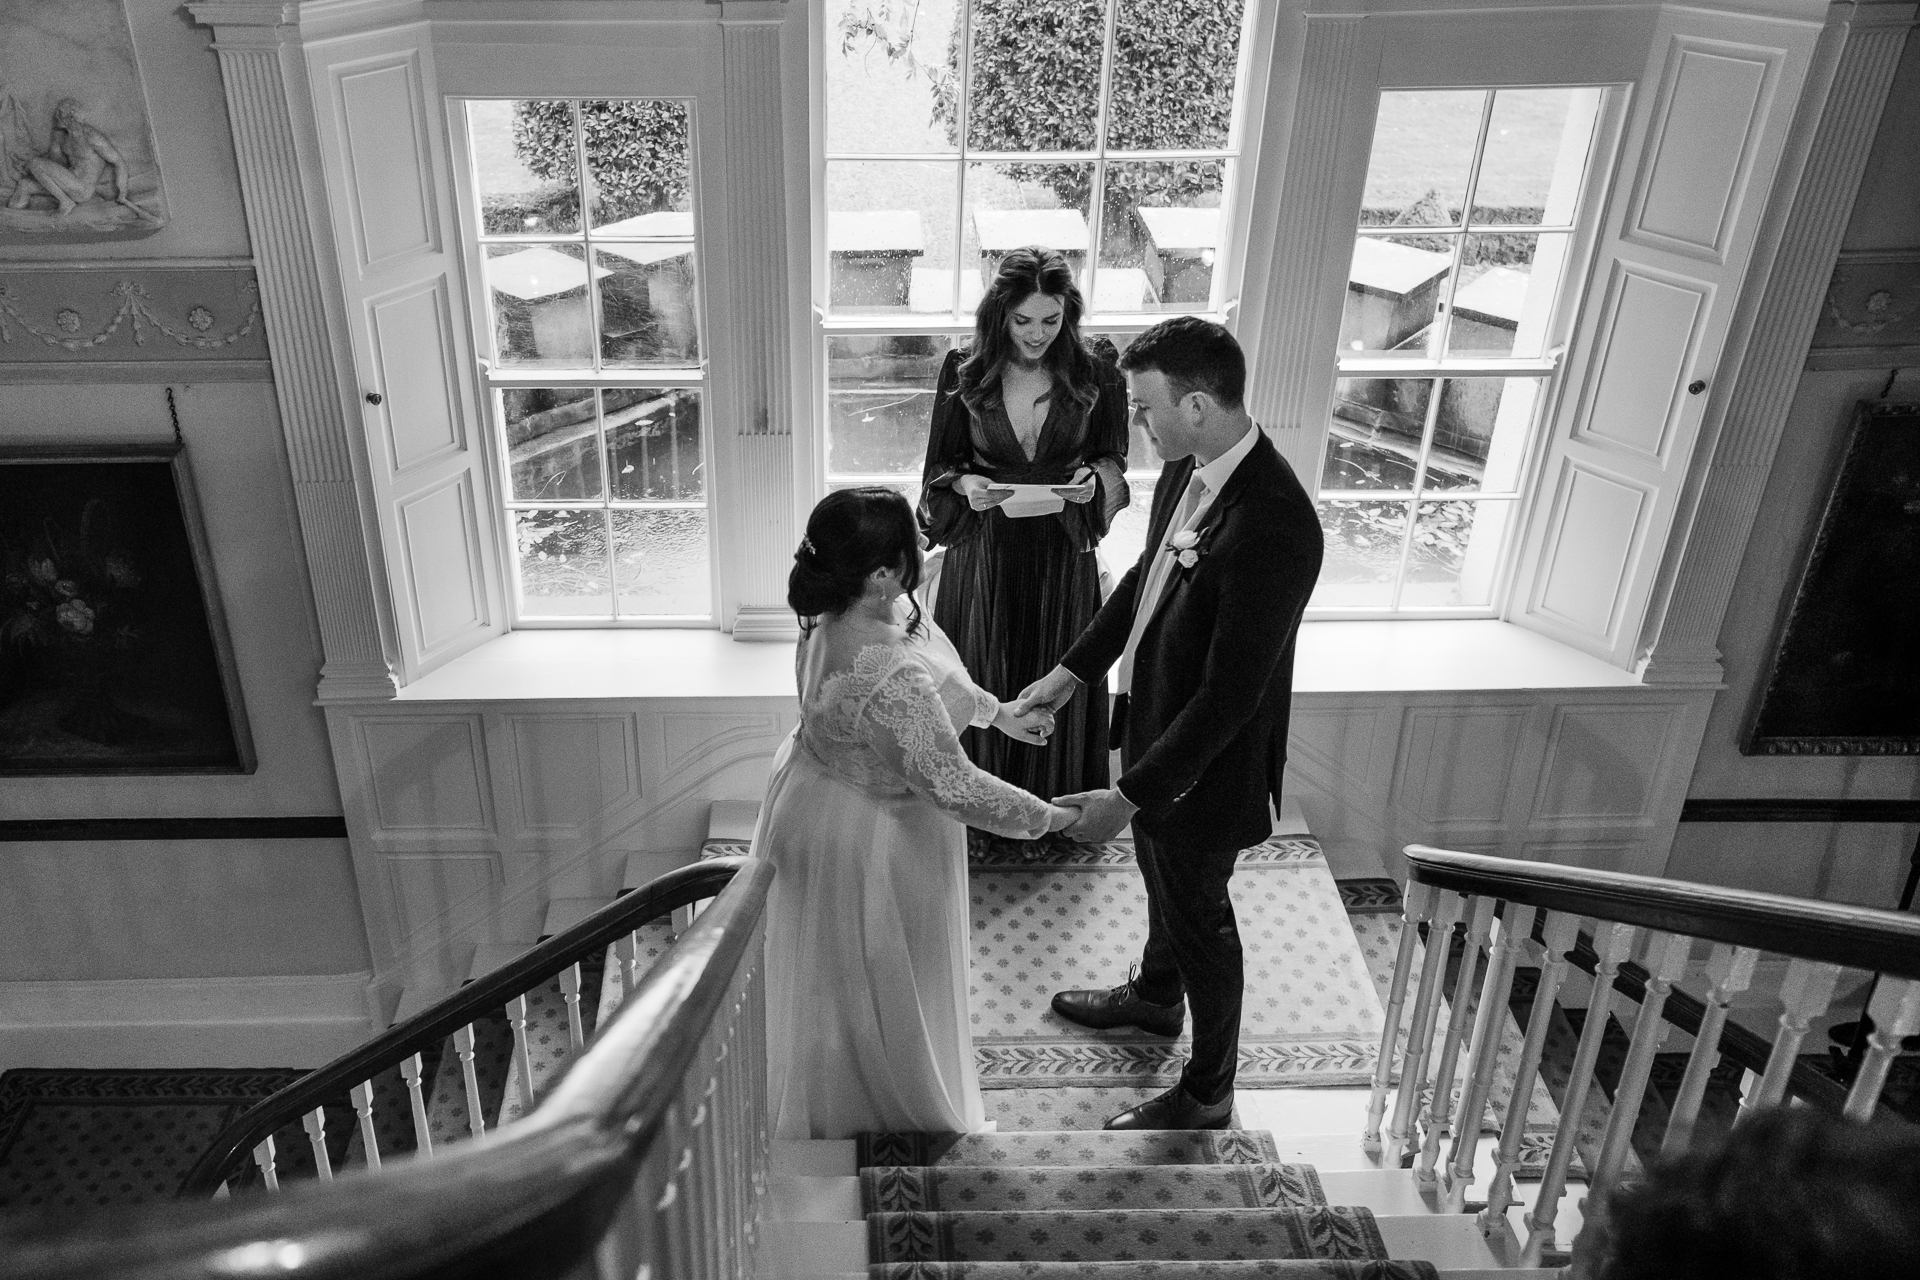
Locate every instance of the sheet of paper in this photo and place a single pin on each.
(1031, 500)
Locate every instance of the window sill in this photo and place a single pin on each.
(1333, 657)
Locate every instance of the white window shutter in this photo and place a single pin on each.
(1708, 127)
(384, 147)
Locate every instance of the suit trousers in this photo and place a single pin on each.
(1193, 950)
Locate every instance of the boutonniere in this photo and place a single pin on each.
(1188, 546)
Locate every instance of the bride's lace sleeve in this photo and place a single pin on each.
(906, 725)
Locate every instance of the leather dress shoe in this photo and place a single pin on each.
(1120, 1007)
(1176, 1109)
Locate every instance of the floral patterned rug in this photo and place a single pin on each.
(1077, 917)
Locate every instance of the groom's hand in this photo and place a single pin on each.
(1104, 814)
(1052, 691)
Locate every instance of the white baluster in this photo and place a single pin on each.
(1511, 934)
(1440, 1108)
(570, 992)
(1558, 932)
(625, 949)
(1614, 942)
(476, 1115)
(522, 1050)
(1729, 972)
(1804, 995)
(410, 1071)
(263, 1156)
(1415, 906)
(1667, 957)
(316, 1124)
(1413, 1069)
(362, 1096)
(1896, 1015)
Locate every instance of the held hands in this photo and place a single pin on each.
(1052, 691)
(1103, 814)
(1060, 817)
(981, 493)
(1032, 726)
(1081, 488)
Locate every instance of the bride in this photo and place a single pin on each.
(865, 824)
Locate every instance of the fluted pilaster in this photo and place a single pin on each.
(1290, 383)
(1756, 413)
(259, 65)
(756, 316)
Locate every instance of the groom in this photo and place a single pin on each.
(1202, 628)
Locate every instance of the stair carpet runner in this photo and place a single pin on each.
(1096, 1203)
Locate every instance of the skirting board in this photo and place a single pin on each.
(300, 1021)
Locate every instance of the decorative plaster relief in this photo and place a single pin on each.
(81, 315)
(79, 161)
(1873, 300)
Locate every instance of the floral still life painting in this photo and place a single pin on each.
(113, 656)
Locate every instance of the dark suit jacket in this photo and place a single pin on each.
(1203, 736)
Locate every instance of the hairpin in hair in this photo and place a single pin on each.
(806, 545)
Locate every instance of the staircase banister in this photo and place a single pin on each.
(531, 1202)
(1837, 933)
(677, 888)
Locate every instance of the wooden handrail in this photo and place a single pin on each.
(531, 1202)
(432, 1025)
(1858, 937)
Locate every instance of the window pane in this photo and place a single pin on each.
(553, 443)
(1174, 67)
(880, 403)
(636, 159)
(1455, 553)
(1394, 288)
(1011, 206)
(1159, 236)
(890, 238)
(1362, 554)
(661, 563)
(647, 315)
(539, 295)
(1127, 535)
(1507, 283)
(1422, 153)
(524, 166)
(1373, 438)
(1036, 74)
(563, 564)
(653, 443)
(1537, 145)
(1480, 435)
(891, 82)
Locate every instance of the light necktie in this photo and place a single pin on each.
(1159, 573)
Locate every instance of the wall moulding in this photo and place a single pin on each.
(79, 319)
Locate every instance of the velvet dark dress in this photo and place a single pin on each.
(1015, 594)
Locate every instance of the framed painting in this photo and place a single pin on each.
(114, 655)
(1846, 671)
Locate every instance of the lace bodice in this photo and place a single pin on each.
(884, 710)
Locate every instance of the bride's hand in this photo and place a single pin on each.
(1034, 727)
(1060, 817)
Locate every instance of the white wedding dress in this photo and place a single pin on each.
(866, 944)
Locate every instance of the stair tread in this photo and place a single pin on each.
(1072, 1187)
(1071, 1146)
(1160, 1269)
(1322, 1231)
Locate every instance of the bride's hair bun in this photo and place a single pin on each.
(850, 534)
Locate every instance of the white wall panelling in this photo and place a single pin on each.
(467, 818)
(1593, 777)
(1833, 137)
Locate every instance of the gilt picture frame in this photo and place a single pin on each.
(114, 652)
(1845, 678)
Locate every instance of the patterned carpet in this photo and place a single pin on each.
(74, 1139)
(1076, 917)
